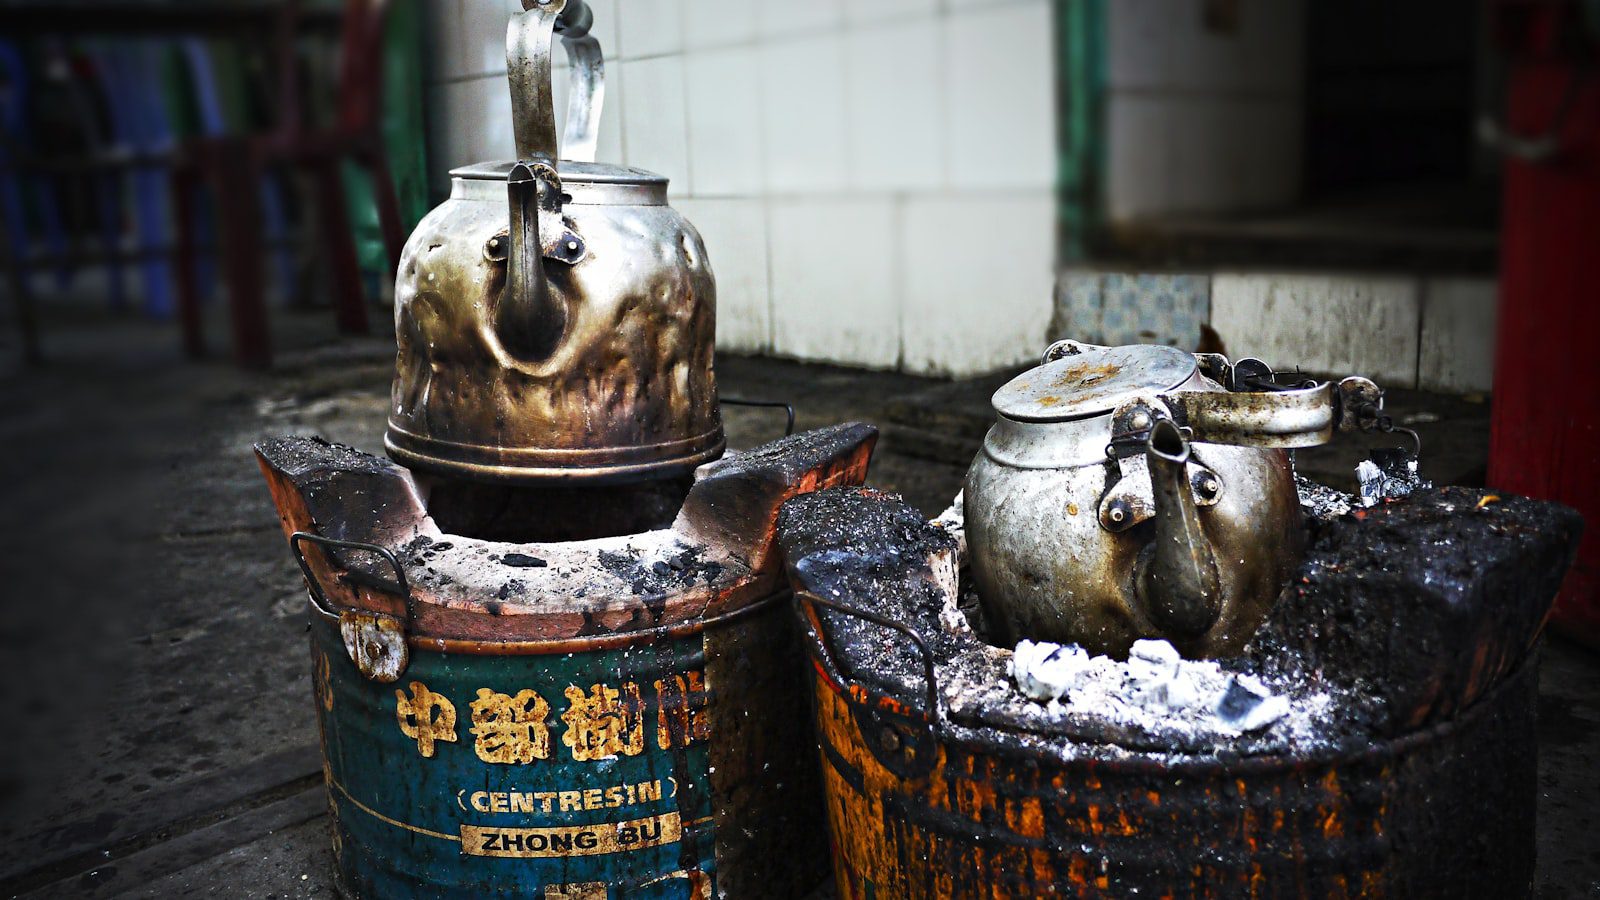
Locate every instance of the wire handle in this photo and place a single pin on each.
(375, 641)
(319, 598)
(929, 676)
(788, 427)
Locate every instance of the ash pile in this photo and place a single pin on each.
(1399, 616)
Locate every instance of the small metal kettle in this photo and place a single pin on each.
(1144, 492)
(555, 320)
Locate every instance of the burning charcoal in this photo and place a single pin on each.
(1046, 671)
(1248, 706)
(1152, 662)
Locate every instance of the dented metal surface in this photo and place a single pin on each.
(618, 714)
(1176, 580)
(1278, 419)
(555, 320)
(964, 788)
(1062, 514)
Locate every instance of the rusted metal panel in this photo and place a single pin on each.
(490, 775)
(936, 791)
(716, 556)
(1446, 812)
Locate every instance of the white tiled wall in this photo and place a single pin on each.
(1354, 324)
(1458, 327)
(979, 302)
(873, 178)
(1202, 120)
(1404, 330)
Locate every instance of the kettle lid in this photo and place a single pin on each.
(571, 171)
(1093, 382)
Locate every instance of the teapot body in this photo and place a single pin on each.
(626, 389)
(1060, 526)
(555, 317)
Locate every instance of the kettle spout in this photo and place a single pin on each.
(1177, 581)
(529, 320)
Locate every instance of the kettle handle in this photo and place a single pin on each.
(1303, 417)
(529, 321)
(1284, 418)
(528, 40)
(587, 74)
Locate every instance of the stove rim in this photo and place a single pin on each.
(610, 641)
(547, 466)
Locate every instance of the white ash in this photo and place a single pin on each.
(1248, 705)
(1323, 502)
(1155, 691)
(1388, 477)
(1045, 671)
(1153, 662)
(954, 521)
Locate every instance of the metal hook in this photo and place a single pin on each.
(788, 427)
(402, 587)
(930, 678)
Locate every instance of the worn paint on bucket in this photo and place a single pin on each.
(609, 718)
(936, 787)
(571, 774)
(966, 816)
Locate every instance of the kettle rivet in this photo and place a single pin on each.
(1140, 420)
(1211, 485)
(572, 245)
(1117, 515)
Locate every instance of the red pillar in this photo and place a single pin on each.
(1546, 421)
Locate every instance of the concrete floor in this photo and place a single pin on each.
(161, 738)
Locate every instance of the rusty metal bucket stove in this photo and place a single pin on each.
(613, 717)
(1407, 640)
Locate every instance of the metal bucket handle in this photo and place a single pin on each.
(375, 641)
(402, 587)
(934, 720)
(787, 407)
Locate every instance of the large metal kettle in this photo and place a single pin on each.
(1127, 492)
(555, 319)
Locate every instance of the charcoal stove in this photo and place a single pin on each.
(554, 655)
(1406, 646)
(590, 718)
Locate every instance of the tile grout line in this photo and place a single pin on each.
(1422, 311)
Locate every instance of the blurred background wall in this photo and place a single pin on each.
(873, 179)
(1294, 180)
(934, 186)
